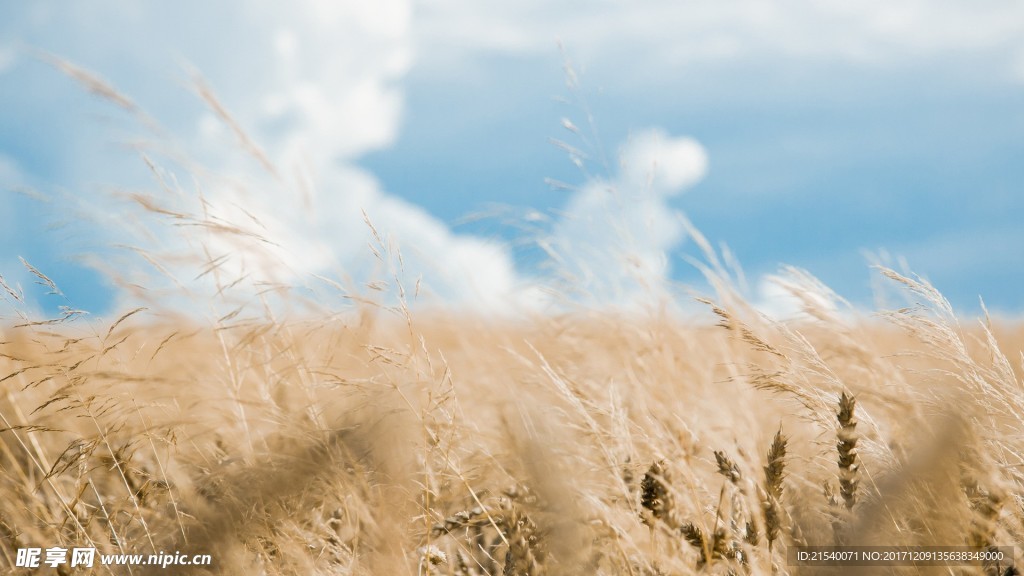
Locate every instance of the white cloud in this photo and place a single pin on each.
(473, 272)
(661, 165)
(280, 242)
(795, 294)
(653, 34)
(327, 87)
(316, 84)
(612, 239)
(614, 236)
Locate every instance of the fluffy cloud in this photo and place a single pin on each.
(613, 237)
(295, 95)
(796, 294)
(660, 165)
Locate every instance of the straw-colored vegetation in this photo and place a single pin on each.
(403, 440)
(573, 444)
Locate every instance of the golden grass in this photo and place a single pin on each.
(452, 445)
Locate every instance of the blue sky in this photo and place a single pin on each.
(800, 132)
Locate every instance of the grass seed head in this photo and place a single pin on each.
(655, 496)
(774, 474)
(727, 468)
(847, 448)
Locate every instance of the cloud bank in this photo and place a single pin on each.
(318, 84)
(295, 95)
(655, 34)
(314, 85)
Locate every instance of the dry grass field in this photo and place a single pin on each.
(391, 442)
